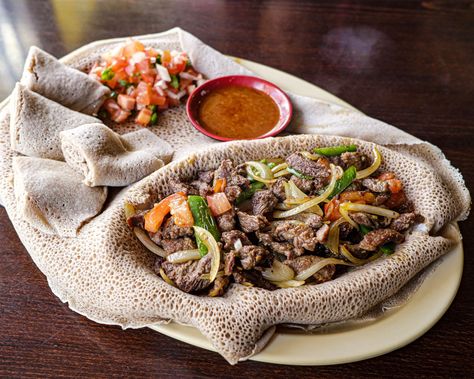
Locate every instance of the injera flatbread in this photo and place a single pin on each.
(51, 197)
(105, 158)
(36, 122)
(105, 273)
(45, 75)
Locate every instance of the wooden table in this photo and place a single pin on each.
(407, 63)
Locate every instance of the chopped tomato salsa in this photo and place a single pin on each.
(144, 81)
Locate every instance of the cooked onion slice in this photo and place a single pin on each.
(375, 165)
(347, 217)
(184, 256)
(310, 271)
(333, 236)
(148, 243)
(279, 167)
(371, 209)
(279, 272)
(166, 278)
(289, 283)
(346, 253)
(281, 173)
(265, 175)
(212, 248)
(309, 204)
(308, 155)
(207, 276)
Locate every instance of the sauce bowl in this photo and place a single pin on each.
(280, 98)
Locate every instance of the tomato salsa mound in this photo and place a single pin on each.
(144, 81)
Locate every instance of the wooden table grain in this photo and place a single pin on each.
(409, 63)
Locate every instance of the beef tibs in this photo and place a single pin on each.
(246, 220)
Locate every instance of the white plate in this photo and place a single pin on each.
(394, 330)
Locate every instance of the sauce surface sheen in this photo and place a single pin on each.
(238, 112)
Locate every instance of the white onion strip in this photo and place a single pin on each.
(281, 173)
(212, 248)
(333, 236)
(375, 165)
(279, 167)
(265, 174)
(148, 243)
(347, 217)
(184, 256)
(310, 156)
(289, 283)
(312, 202)
(310, 271)
(279, 272)
(371, 209)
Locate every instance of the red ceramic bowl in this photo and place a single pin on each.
(279, 97)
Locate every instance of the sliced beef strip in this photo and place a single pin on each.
(375, 185)
(283, 248)
(301, 235)
(363, 219)
(251, 256)
(322, 233)
(376, 238)
(232, 192)
(404, 222)
(226, 221)
(187, 276)
(229, 239)
(177, 244)
(263, 202)
(305, 185)
(178, 186)
(315, 169)
(356, 159)
(381, 198)
(302, 263)
(278, 189)
(251, 223)
(312, 220)
(254, 277)
(203, 188)
(219, 286)
(229, 262)
(206, 176)
(233, 178)
(170, 230)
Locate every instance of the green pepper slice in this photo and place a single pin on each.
(203, 218)
(248, 193)
(345, 181)
(334, 150)
(298, 174)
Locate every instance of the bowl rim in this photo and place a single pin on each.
(281, 125)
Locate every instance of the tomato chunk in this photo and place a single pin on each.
(154, 218)
(126, 102)
(179, 209)
(144, 117)
(218, 203)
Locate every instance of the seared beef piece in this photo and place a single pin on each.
(381, 198)
(278, 189)
(250, 223)
(233, 178)
(254, 277)
(348, 159)
(345, 229)
(187, 276)
(284, 248)
(229, 262)
(375, 185)
(137, 220)
(302, 263)
(170, 230)
(226, 221)
(229, 239)
(363, 219)
(301, 236)
(177, 186)
(404, 222)
(251, 256)
(263, 202)
(322, 233)
(358, 252)
(312, 220)
(305, 185)
(232, 192)
(218, 286)
(177, 244)
(203, 188)
(315, 169)
(206, 176)
(376, 238)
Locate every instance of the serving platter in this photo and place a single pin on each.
(394, 330)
